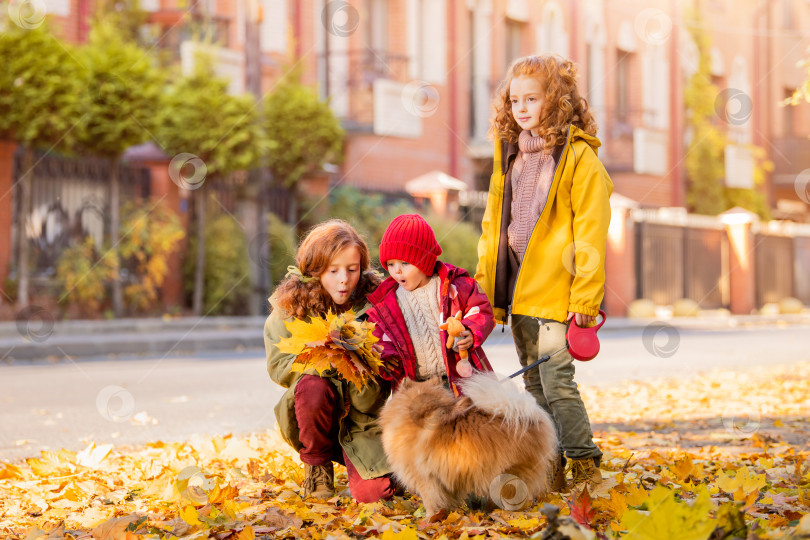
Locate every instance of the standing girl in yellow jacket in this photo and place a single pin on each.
(542, 250)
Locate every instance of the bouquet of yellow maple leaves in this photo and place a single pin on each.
(338, 342)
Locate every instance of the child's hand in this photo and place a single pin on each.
(583, 320)
(464, 340)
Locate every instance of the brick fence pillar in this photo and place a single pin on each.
(741, 273)
(6, 208)
(162, 186)
(620, 257)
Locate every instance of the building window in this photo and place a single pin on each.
(514, 35)
(376, 30)
(788, 15)
(426, 29)
(788, 118)
(622, 86)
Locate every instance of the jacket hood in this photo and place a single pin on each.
(576, 133)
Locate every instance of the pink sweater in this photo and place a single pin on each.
(532, 175)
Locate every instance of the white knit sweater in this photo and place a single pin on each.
(423, 316)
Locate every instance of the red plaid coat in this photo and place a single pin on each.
(458, 292)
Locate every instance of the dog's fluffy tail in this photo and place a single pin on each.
(504, 399)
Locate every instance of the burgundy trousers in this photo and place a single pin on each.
(318, 409)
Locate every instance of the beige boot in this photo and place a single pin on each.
(319, 481)
(585, 472)
(556, 481)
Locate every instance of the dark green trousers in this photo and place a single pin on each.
(552, 383)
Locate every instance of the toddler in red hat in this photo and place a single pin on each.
(419, 296)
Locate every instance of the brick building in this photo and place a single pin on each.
(412, 82)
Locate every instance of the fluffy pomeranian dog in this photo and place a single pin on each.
(493, 442)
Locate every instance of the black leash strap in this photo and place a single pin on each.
(536, 363)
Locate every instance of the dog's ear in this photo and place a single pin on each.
(406, 383)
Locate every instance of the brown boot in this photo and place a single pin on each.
(585, 472)
(319, 481)
(556, 480)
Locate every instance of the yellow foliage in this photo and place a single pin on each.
(744, 481)
(337, 342)
(668, 518)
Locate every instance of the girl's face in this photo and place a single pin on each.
(407, 275)
(342, 276)
(526, 95)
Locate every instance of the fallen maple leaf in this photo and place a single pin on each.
(616, 505)
(745, 481)
(670, 519)
(53, 463)
(581, 506)
(278, 518)
(92, 456)
(117, 528)
(7, 470)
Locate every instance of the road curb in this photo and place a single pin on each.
(157, 336)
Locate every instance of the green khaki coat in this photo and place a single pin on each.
(359, 434)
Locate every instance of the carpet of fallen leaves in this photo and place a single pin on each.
(720, 455)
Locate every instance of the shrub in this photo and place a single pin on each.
(369, 214)
(227, 269)
(149, 235)
(459, 241)
(83, 276)
(283, 244)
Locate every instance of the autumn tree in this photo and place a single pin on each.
(120, 109)
(707, 192)
(39, 108)
(220, 130)
(305, 131)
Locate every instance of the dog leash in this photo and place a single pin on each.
(536, 363)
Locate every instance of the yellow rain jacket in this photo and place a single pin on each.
(563, 268)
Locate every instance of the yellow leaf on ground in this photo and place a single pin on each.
(636, 495)
(404, 534)
(117, 529)
(616, 505)
(92, 456)
(189, 515)
(745, 480)
(53, 463)
(670, 519)
(7, 470)
(246, 534)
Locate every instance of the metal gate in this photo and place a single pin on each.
(774, 267)
(68, 203)
(675, 261)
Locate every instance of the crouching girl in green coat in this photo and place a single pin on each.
(322, 416)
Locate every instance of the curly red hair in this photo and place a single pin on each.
(563, 105)
(320, 246)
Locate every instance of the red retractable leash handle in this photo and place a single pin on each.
(582, 344)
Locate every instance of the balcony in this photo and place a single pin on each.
(348, 79)
(167, 29)
(628, 145)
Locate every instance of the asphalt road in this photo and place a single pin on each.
(132, 401)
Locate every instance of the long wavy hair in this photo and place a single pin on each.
(563, 105)
(317, 251)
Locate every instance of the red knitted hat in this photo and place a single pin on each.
(409, 238)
